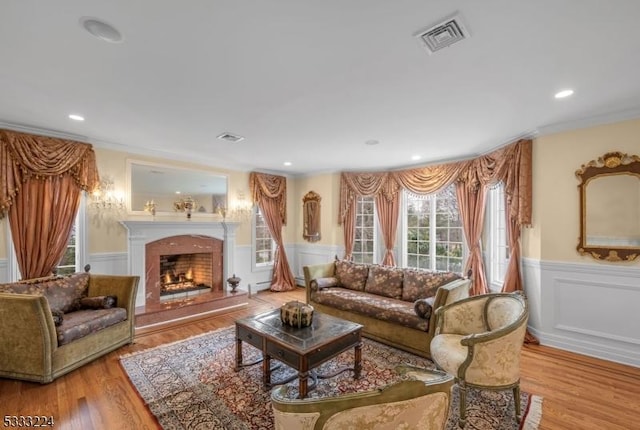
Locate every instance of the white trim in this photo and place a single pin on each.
(262, 267)
(585, 308)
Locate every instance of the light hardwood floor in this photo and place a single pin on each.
(580, 393)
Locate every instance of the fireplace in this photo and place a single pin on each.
(207, 247)
(182, 267)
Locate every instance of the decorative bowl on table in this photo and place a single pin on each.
(296, 314)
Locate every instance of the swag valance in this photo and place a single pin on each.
(24, 156)
(510, 164)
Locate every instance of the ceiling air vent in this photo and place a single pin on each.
(444, 34)
(230, 137)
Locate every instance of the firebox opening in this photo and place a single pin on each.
(184, 275)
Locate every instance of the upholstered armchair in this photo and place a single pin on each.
(420, 401)
(478, 340)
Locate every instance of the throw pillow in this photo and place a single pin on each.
(320, 283)
(384, 281)
(58, 317)
(98, 302)
(420, 284)
(351, 275)
(64, 294)
(423, 308)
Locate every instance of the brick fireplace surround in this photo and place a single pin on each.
(148, 240)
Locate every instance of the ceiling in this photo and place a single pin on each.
(310, 82)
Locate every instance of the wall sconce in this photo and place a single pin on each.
(239, 209)
(106, 197)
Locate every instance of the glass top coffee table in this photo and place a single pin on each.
(303, 349)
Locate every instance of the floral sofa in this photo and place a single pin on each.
(51, 326)
(394, 305)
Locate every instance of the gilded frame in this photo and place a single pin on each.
(611, 163)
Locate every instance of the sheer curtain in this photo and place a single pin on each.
(269, 192)
(40, 185)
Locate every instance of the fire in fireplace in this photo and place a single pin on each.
(185, 275)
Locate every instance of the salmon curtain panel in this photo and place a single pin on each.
(269, 192)
(41, 181)
(510, 164)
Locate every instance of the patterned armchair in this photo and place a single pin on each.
(420, 401)
(478, 340)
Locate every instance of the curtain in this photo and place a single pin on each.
(388, 211)
(349, 231)
(472, 204)
(50, 206)
(40, 184)
(269, 192)
(510, 164)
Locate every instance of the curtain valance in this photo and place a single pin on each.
(24, 156)
(273, 187)
(510, 164)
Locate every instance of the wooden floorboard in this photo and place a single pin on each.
(580, 393)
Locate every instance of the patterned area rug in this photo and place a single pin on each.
(191, 384)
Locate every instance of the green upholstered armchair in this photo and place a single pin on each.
(30, 343)
(478, 340)
(420, 402)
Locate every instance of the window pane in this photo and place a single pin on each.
(264, 244)
(433, 226)
(364, 244)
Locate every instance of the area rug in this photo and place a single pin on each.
(192, 384)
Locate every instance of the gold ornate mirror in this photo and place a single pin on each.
(610, 207)
(311, 216)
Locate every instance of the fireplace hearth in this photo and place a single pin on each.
(174, 287)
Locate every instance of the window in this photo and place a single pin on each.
(68, 264)
(498, 246)
(264, 246)
(433, 236)
(365, 231)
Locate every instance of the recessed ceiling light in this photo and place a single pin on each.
(287, 163)
(564, 93)
(76, 117)
(416, 157)
(372, 142)
(178, 192)
(101, 29)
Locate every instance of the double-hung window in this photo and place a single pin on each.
(432, 234)
(364, 244)
(263, 243)
(497, 241)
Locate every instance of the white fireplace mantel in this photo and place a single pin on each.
(142, 232)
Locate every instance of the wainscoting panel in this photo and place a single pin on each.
(590, 309)
(307, 255)
(110, 263)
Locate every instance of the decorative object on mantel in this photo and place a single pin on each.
(610, 207)
(185, 205)
(233, 282)
(150, 206)
(296, 314)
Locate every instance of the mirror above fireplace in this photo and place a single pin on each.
(165, 188)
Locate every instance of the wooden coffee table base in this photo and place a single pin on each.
(303, 349)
